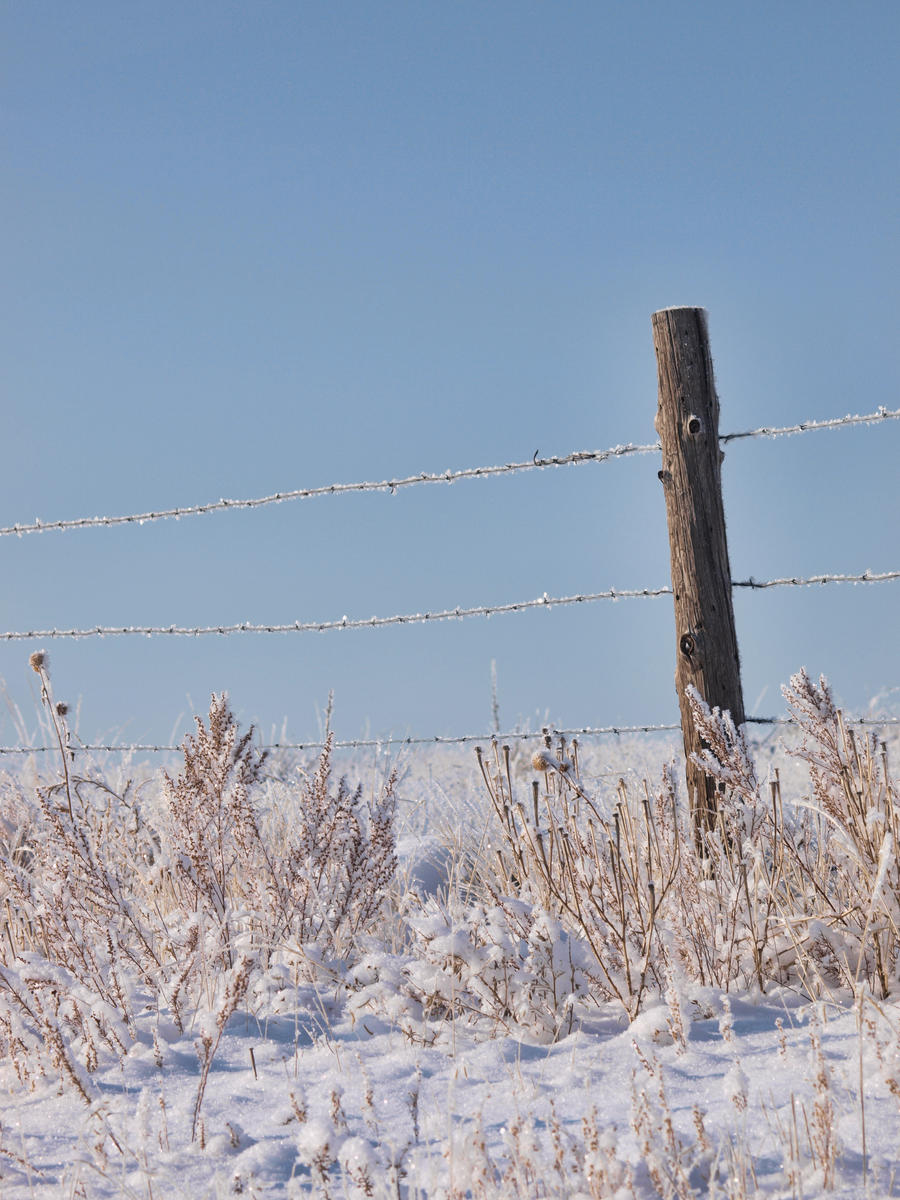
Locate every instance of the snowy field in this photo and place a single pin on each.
(251, 980)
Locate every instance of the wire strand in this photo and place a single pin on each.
(372, 743)
(449, 614)
(392, 485)
(811, 580)
(880, 414)
(434, 740)
(334, 489)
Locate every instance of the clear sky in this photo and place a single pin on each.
(257, 247)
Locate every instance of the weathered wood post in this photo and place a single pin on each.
(687, 422)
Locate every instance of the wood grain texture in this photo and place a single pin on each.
(687, 422)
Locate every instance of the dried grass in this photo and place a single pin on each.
(232, 889)
(183, 911)
(806, 894)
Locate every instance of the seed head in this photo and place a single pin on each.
(61, 708)
(542, 760)
(39, 660)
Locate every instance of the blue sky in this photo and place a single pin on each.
(251, 248)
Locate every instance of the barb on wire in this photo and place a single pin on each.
(448, 614)
(334, 489)
(389, 741)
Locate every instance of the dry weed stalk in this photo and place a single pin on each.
(631, 884)
(822, 882)
(103, 911)
(310, 873)
(808, 895)
(821, 1123)
(208, 1042)
(503, 967)
(605, 877)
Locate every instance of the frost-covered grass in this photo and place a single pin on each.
(517, 976)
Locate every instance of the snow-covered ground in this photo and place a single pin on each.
(330, 1078)
(459, 1117)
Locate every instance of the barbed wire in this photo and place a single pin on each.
(373, 743)
(880, 414)
(449, 614)
(811, 580)
(335, 489)
(389, 741)
(392, 485)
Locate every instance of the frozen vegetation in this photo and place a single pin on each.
(520, 974)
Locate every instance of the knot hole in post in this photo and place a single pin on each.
(694, 425)
(687, 644)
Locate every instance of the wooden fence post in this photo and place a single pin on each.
(687, 422)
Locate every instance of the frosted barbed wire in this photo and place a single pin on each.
(435, 739)
(811, 580)
(335, 489)
(449, 614)
(576, 458)
(881, 414)
(373, 743)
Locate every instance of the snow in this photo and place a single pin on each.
(333, 1081)
(356, 1082)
